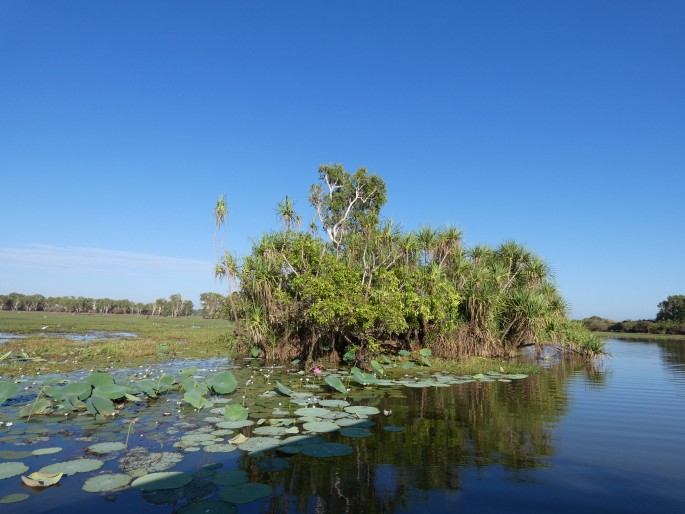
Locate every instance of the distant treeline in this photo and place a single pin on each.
(175, 306)
(669, 320)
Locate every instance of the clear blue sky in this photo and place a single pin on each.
(560, 125)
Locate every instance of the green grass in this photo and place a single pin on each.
(158, 339)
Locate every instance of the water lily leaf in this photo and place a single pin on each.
(354, 422)
(425, 352)
(7, 390)
(105, 448)
(12, 469)
(275, 431)
(377, 367)
(321, 426)
(245, 493)
(186, 372)
(362, 410)
(349, 356)
(35, 408)
(14, 498)
(220, 448)
(426, 361)
(82, 390)
(162, 480)
(165, 383)
(39, 479)
(335, 383)
(404, 353)
(313, 412)
(132, 398)
(235, 424)
(72, 467)
(99, 379)
(99, 405)
(104, 483)
(239, 439)
(334, 403)
(46, 451)
(258, 444)
(140, 461)
(363, 378)
(408, 365)
(255, 351)
(283, 389)
(222, 383)
(194, 398)
(235, 412)
(111, 391)
(149, 387)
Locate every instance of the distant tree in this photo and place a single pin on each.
(672, 309)
(597, 324)
(212, 304)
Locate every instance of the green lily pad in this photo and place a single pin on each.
(72, 467)
(390, 428)
(105, 448)
(235, 424)
(321, 426)
(245, 493)
(220, 448)
(194, 398)
(46, 451)
(222, 383)
(336, 383)
(14, 498)
(334, 403)
(12, 469)
(99, 405)
(284, 389)
(323, 450)
(99, 379)
(111, 391)
(313, 412)
(39, 479)
(140, 461)
(7, 390)
(258, 444)
(354, 422)
(362, 410)
(162, 480)
(235, 412)
(103, 483)
(35, 408)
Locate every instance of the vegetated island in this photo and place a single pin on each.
(353, 286)
(669, 322)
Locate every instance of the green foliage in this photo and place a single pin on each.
(372, 288)
(672, 309)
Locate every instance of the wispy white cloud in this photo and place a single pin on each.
(79, 259)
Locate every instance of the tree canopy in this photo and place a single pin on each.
(672, 309)
(370, 287)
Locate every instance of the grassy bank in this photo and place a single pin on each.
(47, 348)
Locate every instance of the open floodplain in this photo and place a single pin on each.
(184, 428)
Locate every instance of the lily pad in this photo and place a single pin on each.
(162, 480)
(103, 483)
(284, 389)
(334, 403)
(321, 426)
(72, 467)
(313, 412)
(220, 448)
(235, 412)
(11, 469)
(258, 444)
(39, 479)
(362, 410)
(105, 448)
(99, 379)
(14, 498)
(222, 383)
(140, 461)
(111, 391)
(34, 408)
(245, 493)
(336, 383)
(7, 390)
(46, 451)
(100, 405)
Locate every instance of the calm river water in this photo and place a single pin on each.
(571, 439)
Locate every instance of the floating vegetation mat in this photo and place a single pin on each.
(203, 436)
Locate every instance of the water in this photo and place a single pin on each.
(572, 439)
(93, 335)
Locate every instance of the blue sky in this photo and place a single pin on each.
(560, 125)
